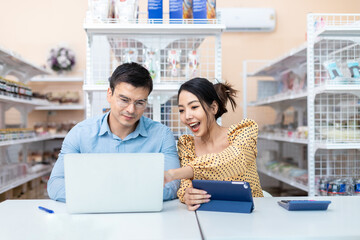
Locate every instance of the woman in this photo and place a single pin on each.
(214, 152)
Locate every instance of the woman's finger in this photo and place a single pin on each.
(193, 207)
(195, 191)
(197, 201)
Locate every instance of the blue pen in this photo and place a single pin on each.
(46, 209)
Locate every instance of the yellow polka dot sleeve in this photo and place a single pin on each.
(185, 155)
(236, 163)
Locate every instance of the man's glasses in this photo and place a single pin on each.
(138, 104)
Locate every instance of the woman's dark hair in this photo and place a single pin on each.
(207, 93)
(132, 73)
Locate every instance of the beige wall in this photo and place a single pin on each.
(31, 28)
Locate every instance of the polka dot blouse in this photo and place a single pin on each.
(235, 163)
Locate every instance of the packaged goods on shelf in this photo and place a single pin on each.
(192, 64)
(342, 72)
(204, 9)
(291, 82)
(14, 89)
(300, 132)
(338, 134)
(46, 157)
(180, 9)
(357, 187)
(174, 62)
(266, 89)
(287, 170)
(333, 69)
(155, 10)
(130, 55)
(63, 97)
(10, 172)
(100, 9)
(330, 186)
(354, 68)
(9, 134)
(152, 63)
(53, 128)
(124, 11)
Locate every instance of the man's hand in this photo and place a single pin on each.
(194, 198)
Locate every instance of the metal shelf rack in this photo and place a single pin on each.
(165, 49)
(332, 105)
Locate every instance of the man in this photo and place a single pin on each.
(123, 129)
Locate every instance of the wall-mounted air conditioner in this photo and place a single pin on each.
(248, 19)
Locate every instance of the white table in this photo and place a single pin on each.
(21, 219)
(270, 221)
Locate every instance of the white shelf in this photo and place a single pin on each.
(348, 88)
(296, 96)
(295, 57)
(286, 180)
(61, 107)
(58, 135)
(21, 101)
(25, 140)
(350, 31)
(57, 79)
(34, 139)
(17, 182)
(283, 139)
(12, 63)
(334, 146)
(144, 27)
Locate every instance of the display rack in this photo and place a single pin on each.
(172, 52)
(12, 173)
(334, 113)
(12, 63)
(329, 107)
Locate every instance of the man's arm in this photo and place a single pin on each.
(56, 183)
(171, 161)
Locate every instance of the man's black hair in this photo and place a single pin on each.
(132, 73)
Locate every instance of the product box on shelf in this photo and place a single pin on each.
(204, 9)
(180, 9)
(155, 10)
(124, 11)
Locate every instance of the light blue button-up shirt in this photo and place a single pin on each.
(94, 136)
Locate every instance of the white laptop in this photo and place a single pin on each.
(114, 182)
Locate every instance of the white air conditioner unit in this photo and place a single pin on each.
(248, 19)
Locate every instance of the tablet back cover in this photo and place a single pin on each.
(226, 196)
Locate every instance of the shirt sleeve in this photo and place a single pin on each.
(171, 162)
(56, 183)
(183, 152)
(232, 161)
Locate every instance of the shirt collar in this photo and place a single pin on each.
(139, 130)
(104, 128)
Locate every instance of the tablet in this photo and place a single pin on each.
(226, 196)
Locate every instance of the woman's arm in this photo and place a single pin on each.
(178, 173)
